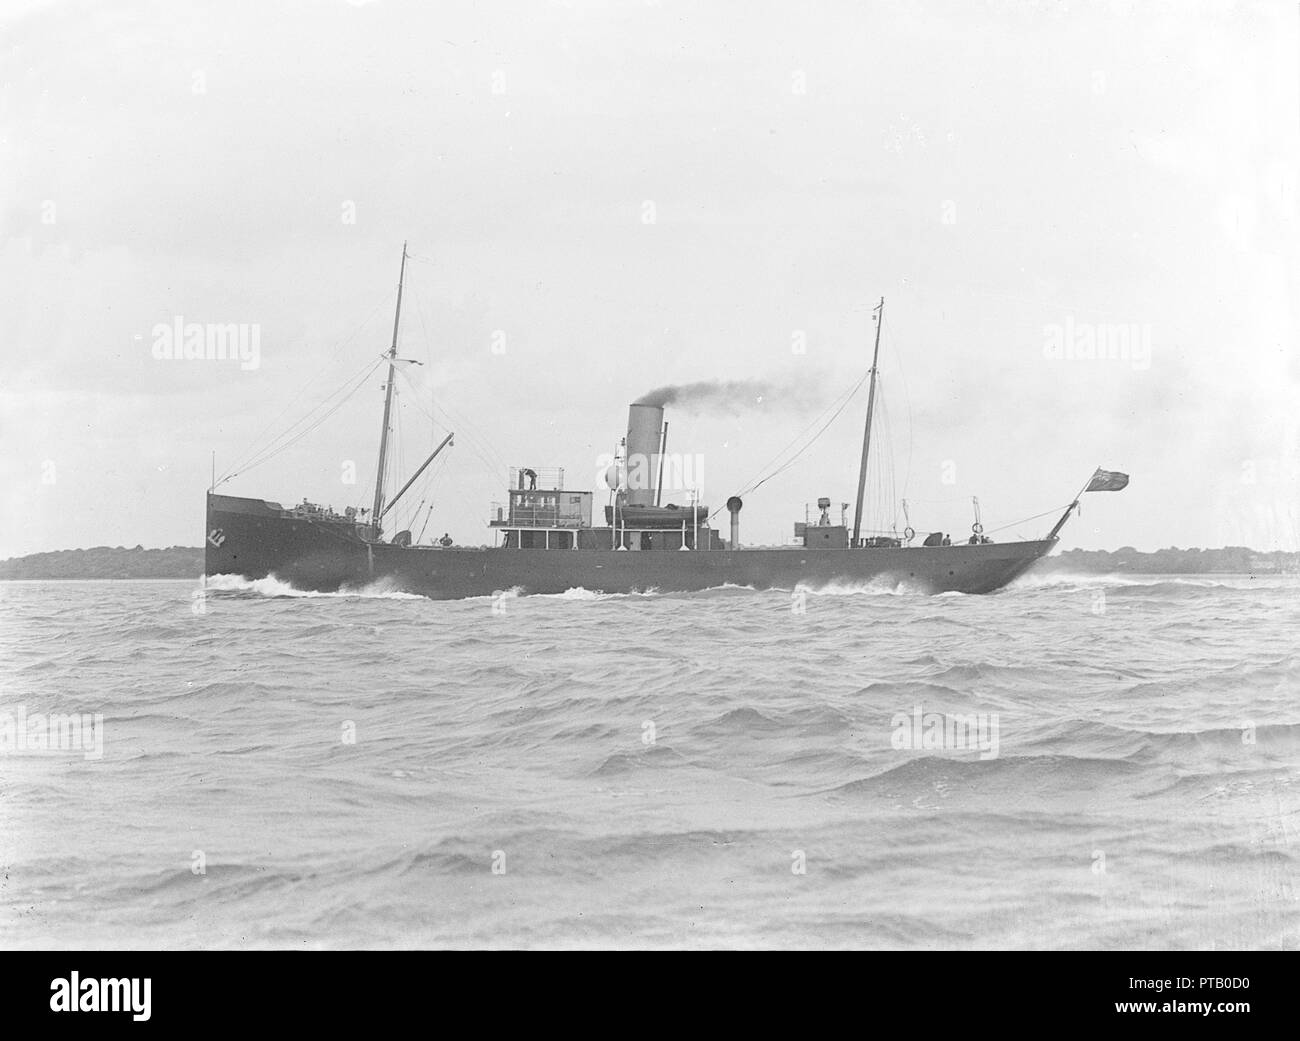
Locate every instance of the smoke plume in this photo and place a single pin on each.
(733, 397)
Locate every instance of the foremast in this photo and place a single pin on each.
(378, 509)
(866, 434)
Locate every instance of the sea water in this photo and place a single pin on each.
(1074, 762)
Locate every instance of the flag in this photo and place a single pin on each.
(1107, 481)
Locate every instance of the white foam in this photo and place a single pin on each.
(881, 585)
(579, 593)
(582, 593)
(380, 589)
(1056, 580)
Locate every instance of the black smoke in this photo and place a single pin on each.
(732, 396)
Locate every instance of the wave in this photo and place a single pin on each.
(743, 720)
(984, 673)
(1196, 788)
(1086, 580)
(272, 587)
(621, 763)
(881, 585)
(236, 881)
(911, 690)
(525, 734)
(1103, 740)
(579, 594)
(922, 772)
(582, 593)
(726, 588)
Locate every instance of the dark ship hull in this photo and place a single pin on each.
(254, 539)
(552, 539)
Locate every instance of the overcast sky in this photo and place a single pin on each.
(601, 198)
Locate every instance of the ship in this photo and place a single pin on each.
(550, 539)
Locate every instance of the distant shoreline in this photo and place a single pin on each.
(107, 562)
(186, 562)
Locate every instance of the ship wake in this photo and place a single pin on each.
(274, 588)
(883, 585)
(1109, 580)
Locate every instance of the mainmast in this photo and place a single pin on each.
(378, 510)
(866, 434)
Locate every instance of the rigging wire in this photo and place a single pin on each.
(461, 423)
(425, 486)
(275, 448)
(289, 436)
(396, 463)
(420, 538)
(494, 465)
(257, 453)
(255, 456)
(478, 444)
(423, 490)
(754, 485)
(881, 477)
(404, 516)
(1022, 520)
(249, 452)
(907, 397)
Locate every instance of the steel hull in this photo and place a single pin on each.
(248, 538)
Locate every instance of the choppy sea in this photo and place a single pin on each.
(1074, 762)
